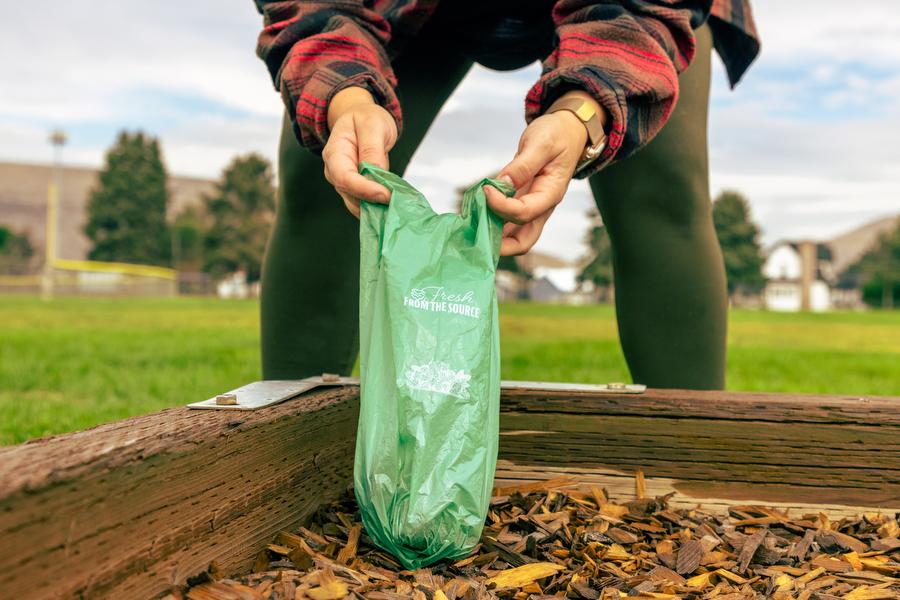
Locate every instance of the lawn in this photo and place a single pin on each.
(73, 363)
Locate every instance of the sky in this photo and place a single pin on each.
(811, 135)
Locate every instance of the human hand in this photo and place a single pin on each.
(548, 153)
(360, 130)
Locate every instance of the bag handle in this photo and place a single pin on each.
(395, 183)
(480, 217)
(483, 226)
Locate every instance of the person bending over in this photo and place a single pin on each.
(622, 100)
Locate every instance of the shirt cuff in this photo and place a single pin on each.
(309, 107)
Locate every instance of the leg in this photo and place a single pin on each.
(671, 300)
(310, 283)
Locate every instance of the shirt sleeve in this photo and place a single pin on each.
(313, 50)
(627, 54)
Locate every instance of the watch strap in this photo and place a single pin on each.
(586, 113)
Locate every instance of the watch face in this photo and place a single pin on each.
(594, 151)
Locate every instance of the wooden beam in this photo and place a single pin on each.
(779, 448)
(731, 406)
(129, 509)
(859, 463)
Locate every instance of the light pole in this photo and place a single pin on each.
(57, 140)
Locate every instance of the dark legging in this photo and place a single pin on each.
(670, 283)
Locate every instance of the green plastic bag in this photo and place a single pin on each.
(426, 446)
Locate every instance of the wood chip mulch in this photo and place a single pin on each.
(547, 540)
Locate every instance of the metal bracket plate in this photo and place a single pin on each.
(260, 394)
(551, 386)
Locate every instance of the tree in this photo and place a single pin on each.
(188, 233)
(880, 271)
(739, 239)
(241, 212)
(16, 252)
(599, 270)
(127, 209)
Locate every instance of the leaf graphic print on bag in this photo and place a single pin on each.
(437, 377)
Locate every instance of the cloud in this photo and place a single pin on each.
(828, 31)
(809, 135)
(73, 64)
(98, 66)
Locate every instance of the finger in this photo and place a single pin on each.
(543, 195)
(495, 199)
(371, 140)
(519, 239)
(352, 205)
(508, 243)
(511, 209)
(341, 170)
(529, 168)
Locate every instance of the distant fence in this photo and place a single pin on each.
(25, 284)
(90, 277)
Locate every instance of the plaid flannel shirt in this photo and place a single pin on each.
(626, 54)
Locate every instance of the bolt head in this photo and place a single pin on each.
(226, 400)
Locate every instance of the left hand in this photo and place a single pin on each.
(548, 153)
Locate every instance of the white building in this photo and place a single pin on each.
(799, 277)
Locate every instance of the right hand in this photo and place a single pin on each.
(360, 130)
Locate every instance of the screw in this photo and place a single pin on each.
(226, 400)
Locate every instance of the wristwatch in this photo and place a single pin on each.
(587, 114)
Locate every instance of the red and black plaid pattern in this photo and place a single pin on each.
(734, 35)
(626, 53)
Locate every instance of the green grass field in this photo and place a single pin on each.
(73, 363)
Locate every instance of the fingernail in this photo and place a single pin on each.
(505, 179)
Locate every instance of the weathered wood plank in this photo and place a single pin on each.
(848, 456)
(741, 406)
(718, 444)
(795, 448)
(130, 508)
